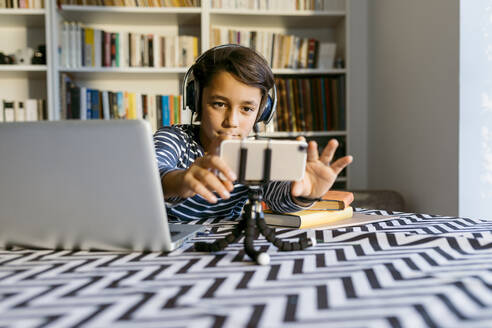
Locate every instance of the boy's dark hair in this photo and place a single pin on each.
(243, 63)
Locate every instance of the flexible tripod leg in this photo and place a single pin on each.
(220, 244)
(250, 234)
(269, 234)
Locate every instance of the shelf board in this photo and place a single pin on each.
(34, 72)
(308, 71)
(136, 15)
(257, 12)
(127, 72)
(22, 17)
(284, 19)
(122, 9)
(23, 68)
(137, 70)
(23, 71)
(303, 133)
(179, 70)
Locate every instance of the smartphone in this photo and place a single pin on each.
(273, 160)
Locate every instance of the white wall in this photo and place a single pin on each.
(358, 101)
(414, 102)
(475, 196)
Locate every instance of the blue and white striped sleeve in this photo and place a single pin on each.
(169, 143)
(277, 196)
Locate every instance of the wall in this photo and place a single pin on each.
(357, 78)
(414, 102)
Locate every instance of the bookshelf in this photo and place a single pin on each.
(21, 28)
(328, 25)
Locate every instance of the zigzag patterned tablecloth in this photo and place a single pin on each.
(415, 271)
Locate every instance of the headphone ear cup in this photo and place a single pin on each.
(268, 112)
(190, 96)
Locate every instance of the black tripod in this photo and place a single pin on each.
(252, 221)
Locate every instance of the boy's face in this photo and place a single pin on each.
(229, 109)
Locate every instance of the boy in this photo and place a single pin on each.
(233, 86)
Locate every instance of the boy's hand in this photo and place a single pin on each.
(202, 178)
(320, 173)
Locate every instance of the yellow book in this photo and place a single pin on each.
(132, 107)
(89, 47)
(126, 97)
(310, 218)
(195, 48)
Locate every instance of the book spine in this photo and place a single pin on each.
(323, 104)
(166, 119)
(95, 104)
(159, 111)
(83, 103)
(2, 115)
(121, 105)
(89, 104)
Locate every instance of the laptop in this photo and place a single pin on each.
(88, 185)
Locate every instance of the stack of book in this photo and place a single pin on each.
(280, 50)
(87, 103)
(22, 4)
(133, 3)
(310, 104)
(23, 111)
(90, 47)
(334, 206)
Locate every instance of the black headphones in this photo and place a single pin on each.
(191, 89)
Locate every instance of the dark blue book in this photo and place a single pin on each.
(341, 101)
(95, 104)
(323, 105)
(82, 46)
(88, 103)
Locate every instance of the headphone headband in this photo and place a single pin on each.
(191, 89)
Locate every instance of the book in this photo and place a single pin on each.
(355, 220)
(326, 54)
(334, 200)
(8, 111)
(31, 110)
(359, 219)
(310, 218)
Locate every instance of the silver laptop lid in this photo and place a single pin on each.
(81, 184)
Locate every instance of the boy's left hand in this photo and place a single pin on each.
(320, 173)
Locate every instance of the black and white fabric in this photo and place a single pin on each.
(414, 271)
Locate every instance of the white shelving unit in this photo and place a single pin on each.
(27, 27)
(166, 21)
(21, 28)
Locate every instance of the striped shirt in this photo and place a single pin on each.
(177, 147)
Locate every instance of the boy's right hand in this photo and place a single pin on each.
(202, 178)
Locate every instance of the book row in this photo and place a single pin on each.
(22, 4)
(280, 4)
(134, 3)
(23, 111)
(89, 47)
(310, 104)
(280, 50)
(87, 104)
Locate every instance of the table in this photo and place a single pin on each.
(415, 271)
